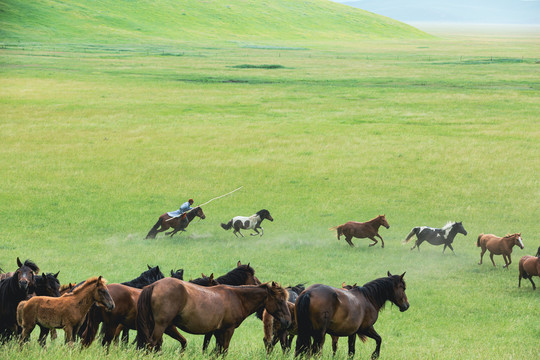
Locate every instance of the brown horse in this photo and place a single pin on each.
(322, 309)
(498, 246)
(124, 314)
(66, 312)
(199, 310)
(529, 266)
(177, 223)
(368, 229)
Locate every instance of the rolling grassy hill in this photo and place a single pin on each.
(144, 21)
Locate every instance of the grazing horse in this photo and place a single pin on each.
(252, 222)
(498, 246)
(66, 312)
(273, 332)
(13, 290)
(322, 309)
(529, 266)
(435, 236)
(201, 310)
(179, 223)
(368, 229)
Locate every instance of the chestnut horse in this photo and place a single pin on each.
(66, 312)
(177, 223)
(498, 246)
(529, 266)
(322, 309)
(368, 229)
(199, 310)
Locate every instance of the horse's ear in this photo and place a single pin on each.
(149, 268)
(237, 264)
(250, 263)
(202, 275)
(343, 284)
(99, 280)
(42, 275)
(402, 275)
(157, 268)
(172, 273)
(354, 285)
(56, 275)
(389, 274)
(19, 263)
(212, 276)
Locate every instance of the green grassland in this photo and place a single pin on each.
(102, 134)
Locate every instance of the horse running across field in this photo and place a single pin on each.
(252, 222)
(435, 236)
(322, 309)
(529, 266)
(498, 246)
(368, 229)
(179, 223)
(66, 312)
(13, 290)
(201, 310)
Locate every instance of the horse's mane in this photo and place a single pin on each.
(377, 291)
(262, 212)
(32, 265)
(148, 277)
(94, 279)
(448, 225)
(507, 236)
(236, 276)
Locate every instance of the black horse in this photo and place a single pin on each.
(434, 236)
(47, 285)
(148, 277)
(13, 290)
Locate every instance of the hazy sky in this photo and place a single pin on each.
(454, 11)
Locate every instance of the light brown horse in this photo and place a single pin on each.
(176, 223)
(201, 310)
(66, 312)
(368, 229)
(498, 246)
(529, 266)
(322, 309)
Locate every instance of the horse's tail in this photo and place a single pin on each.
(145, 317)
(478, 240)
(152, 233)
(227, 226)
(413, 232)
(20, 312)
(339, 230)
(93, 318)
(303, 321)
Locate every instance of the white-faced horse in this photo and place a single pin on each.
(434, 236)
(251, 222)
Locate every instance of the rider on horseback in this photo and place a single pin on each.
(183, 209)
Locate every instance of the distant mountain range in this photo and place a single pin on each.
(454, 11)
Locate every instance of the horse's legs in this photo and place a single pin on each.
(335, 340)
(482, 256)
(370, 332)
(206, 342)
(27, 330)
(491, 257)
(172, 331)
(318, 341)
(530, 279)
(375, 241)
(125, 334)
(256, 231)
(509, 260)
(223, 339)
(382, 241)
(156, 338)
(348, 239)
(68, 332)
(352, 339)
(451, 248)
(43, 335)
(417, 244)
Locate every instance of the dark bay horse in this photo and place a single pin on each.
(498, 246)
(322, 309)
(248, 222)
(368, 229)
(177, 223)
(529, 266)
(202, 310)
(13, 290)
(66, 312)
(436, 236)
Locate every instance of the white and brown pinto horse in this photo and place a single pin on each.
(252, 222)
(498, 246)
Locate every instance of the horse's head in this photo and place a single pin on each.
(399, 296)
(208, 280)
(102, 296)
(459, 228)
(199, 212)
(249, 272)
(517, 240)
(153, 273)
(178, 274)
(382, 219)
(25, 274)
(265, 214)
(276, 303)
(347, 287)
(48, 285)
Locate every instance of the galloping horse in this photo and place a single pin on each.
(66, 312)
(252, 222)
(13, 290)
(322, 309)
(368, 229)
(199, 310)
(177, 223)
(529, 266)
(435, 236)
(498, 246)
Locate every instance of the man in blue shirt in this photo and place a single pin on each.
(183, 208)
